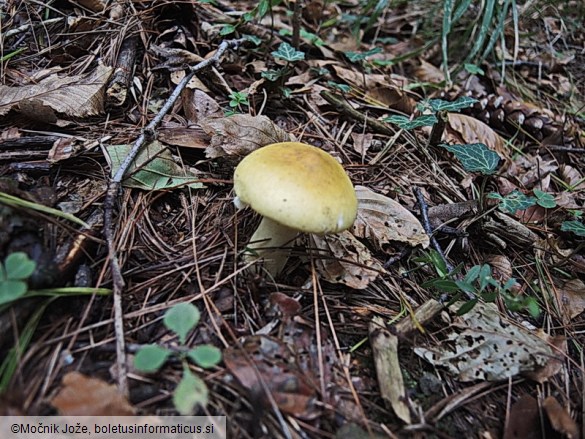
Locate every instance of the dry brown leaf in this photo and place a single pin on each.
(93, 5)
(560, 419)
(427, 72)
(555, 363)
(385, 351)
(81, 395)
(572, 177)
(501, 267)
(199, 105)
(193, 137)
(362, 142)
(75, 96)
(382, 220)
(466, 129)
(524, 420)
(240, 134)
(267, 363)
(571, 299)
(483, 345)
(341, 258)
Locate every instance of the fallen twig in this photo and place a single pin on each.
(111, 196)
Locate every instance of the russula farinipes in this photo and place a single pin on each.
(296, 188)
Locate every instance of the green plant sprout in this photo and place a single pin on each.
(191, 390)
(15, 273)
(238, 100)
(477, 284)
(288, 54)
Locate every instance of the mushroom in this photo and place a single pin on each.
(296, 188)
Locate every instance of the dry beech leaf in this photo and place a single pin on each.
(466, 129)
(192, 137)
(560, 419)
(75, 96)
(571, 299)
(483, 345)
(93, 5)
(81, 395)
(362, 142)
(341, 258)
(382, 220)
(240, 134)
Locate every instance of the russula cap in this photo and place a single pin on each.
(297, 185)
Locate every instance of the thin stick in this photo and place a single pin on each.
(111, 196)
(424, 213)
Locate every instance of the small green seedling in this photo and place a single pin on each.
(238, 100)
(191, 390)
(479, 284)
(14, 274)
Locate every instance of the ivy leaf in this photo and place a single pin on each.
(475, 157)
(205, 356)
(344, 88)
(457, 105)
(405, 123)
(272, 75)
(150, 358)
(360, 56)
(544, 199)
(288, 53)
(513, 201)
(577, 227)
(181, 318)
(253, 39)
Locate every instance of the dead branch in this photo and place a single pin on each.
(111, 196)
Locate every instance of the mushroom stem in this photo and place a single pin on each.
(267, 242)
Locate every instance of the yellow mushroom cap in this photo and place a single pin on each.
(297, 185)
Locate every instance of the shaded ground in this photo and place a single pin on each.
(307, 332)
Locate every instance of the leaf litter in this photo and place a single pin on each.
(178, 244)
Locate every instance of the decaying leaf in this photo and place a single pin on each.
(482, 345)
(559, 346)
(382, 220)
(152, 169)
(468, 130)
(75, 96)
(341, 258)
(268, 364)
(572, 177)
(81, 395)
(199, 105)
(240, 134)
(385, 350)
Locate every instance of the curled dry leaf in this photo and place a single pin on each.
(74, 96)
(199, 105)
(240, 134)
(382, 220)
(463, 129)
(81, 395)
(483, 345)
(560, 419)
(385, 351)
(341, 258)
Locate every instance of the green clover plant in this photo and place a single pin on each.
(191, 390)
